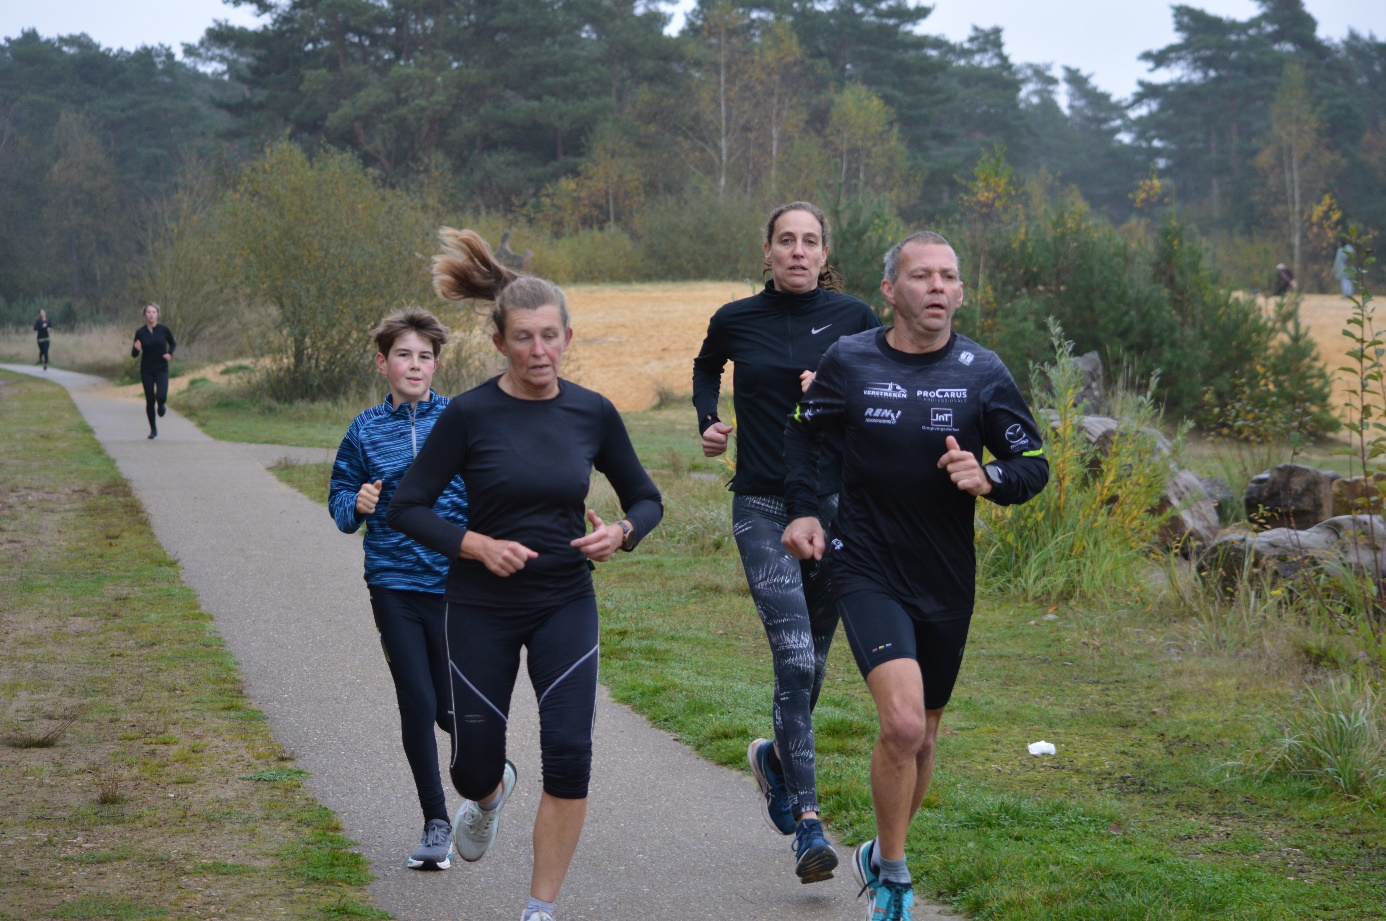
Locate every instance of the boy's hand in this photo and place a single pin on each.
(368, 497)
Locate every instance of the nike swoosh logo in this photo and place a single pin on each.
(818, 330)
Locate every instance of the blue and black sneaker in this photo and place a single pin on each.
(772, 788)
(815, 858)
(869, 879)
(892, 902)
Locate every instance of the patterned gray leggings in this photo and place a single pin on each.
(796, 604)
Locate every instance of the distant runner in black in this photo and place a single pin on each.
(154, 347)
(41, 327)
(775, 338)
(526, 444)
(914, 405)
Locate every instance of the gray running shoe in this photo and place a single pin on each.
(435, 850)
(474, 830)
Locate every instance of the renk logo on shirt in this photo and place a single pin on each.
(882, 416)
(889, 389)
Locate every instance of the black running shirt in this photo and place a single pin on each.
(902, 526)
(772, 338)
(527, 465)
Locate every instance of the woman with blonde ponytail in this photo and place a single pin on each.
(525, 442)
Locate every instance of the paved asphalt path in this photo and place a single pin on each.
(668, 835)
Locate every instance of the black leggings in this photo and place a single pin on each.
(155, 382)
(484, 658)
(796, 604)
(43, 351)
(411, 626)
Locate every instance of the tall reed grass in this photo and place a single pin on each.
(1090, 532)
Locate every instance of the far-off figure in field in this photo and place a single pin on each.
(42, 326)
(1341, 270)
(1284, 281)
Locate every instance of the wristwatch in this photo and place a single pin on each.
(994, 473)
(629, 532)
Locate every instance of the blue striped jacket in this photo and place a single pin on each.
(380, 444)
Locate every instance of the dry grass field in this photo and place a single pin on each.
(632, 342)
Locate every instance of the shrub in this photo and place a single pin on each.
(698, 236)
(1089, 532)
(332, 250)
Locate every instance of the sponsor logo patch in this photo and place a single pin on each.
(889, 389)
(882, 416)
(941, 417)
(967, 358)
(946, 395)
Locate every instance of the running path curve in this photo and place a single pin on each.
(669, 836)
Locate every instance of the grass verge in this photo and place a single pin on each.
(139, 782)
(1142, 813)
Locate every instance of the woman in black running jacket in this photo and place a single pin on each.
(775, 338)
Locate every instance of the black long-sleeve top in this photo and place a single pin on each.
(527, 465)
(154, 345)
(902, 525)
(41, 327)
(772, 337)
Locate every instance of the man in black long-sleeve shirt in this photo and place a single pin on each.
(915, 405)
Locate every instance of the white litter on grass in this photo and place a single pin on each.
(1042, 748)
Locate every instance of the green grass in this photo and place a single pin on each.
(1142, 813)
(139, 807)
(230, 414)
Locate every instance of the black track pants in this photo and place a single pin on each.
(155, 382)
(411, 626)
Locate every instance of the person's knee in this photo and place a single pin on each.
(568, 770)
(474, 780)
(903, 732)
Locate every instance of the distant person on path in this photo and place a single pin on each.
(154, 346)
(1342, 270)
(525, 443)
(914, 405)
(1284, 281)
(41, 327)
(405, 579)
(776, 338)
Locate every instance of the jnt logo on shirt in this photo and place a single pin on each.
(942, 418)
(882, 416)
(889, 389)
(949, 395)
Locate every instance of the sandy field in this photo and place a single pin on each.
(1325, 316)
(629, 341)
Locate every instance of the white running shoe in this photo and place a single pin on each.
(474, 830)
(536, 916)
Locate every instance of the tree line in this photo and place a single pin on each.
(619, 151)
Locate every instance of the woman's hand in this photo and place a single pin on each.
(603, 541)
(715, 439)
(502, 557)
(137, 343)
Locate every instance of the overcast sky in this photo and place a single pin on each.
(1098, 37)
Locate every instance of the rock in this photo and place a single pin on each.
(1283, 554)
(1290, 496)
(1092, 398)
(1357, 495)
(1222, 497)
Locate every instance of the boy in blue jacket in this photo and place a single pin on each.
(405, 579)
